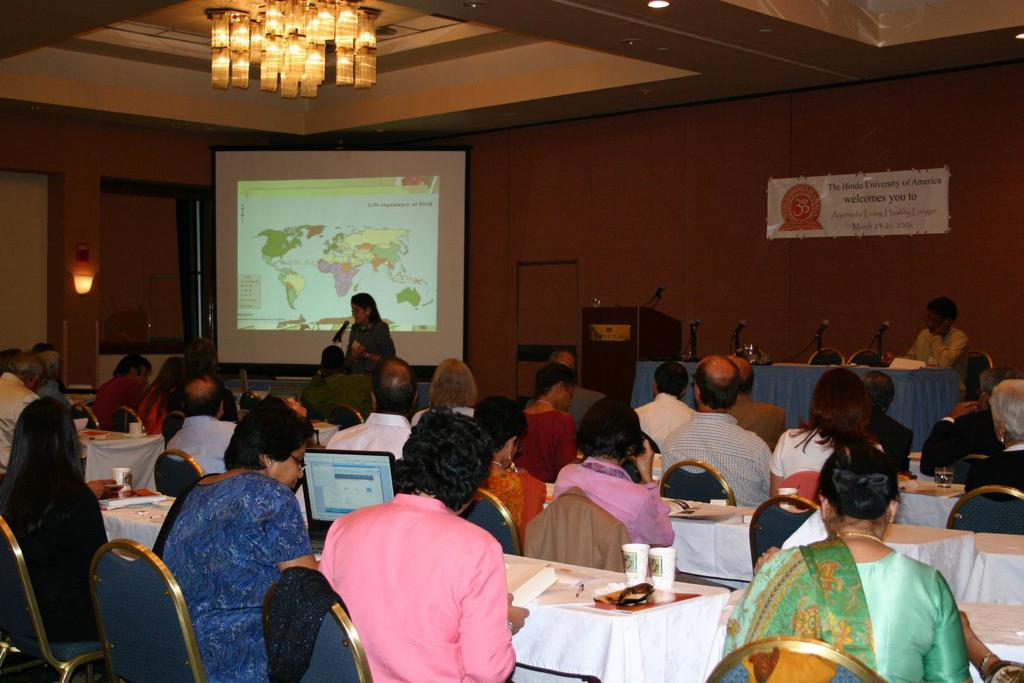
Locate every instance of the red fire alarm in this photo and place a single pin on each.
(81, 253)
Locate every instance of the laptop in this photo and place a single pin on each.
(338, 482)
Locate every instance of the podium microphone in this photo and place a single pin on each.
(735, 338)
(821, 330)
(692, 356)
(656, 299)
(341, 331)
(878, 336)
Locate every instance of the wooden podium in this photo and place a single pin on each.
(615, 338)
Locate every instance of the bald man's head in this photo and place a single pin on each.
(394, 387)
(746, 373)
(717, 382)
(563, 357)
(202, 397)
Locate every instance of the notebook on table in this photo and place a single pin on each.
(338, 482)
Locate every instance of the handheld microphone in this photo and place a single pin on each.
(341, 331)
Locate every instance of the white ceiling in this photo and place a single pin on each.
(448, 68)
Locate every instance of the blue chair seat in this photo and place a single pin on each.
(65, 651)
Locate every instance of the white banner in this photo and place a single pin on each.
(887, 203)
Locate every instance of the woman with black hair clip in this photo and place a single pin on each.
(894, 614)
(370, 338)
(426, 589)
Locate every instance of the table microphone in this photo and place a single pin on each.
(341, 331)
(736, 334)
(821, 329)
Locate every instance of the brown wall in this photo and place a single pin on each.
(677, 197)
(76, 155)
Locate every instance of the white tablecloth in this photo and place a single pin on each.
(998, 572)
(922, 503)
(1000, 628)
(670, 643)
(140, 523)
(104, 451)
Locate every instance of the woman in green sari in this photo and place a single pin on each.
(894, 614)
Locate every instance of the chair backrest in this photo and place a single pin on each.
(695, 480)
(575, 530)
(731, 669)
(775, 520)
(142, 616)
(80, 410)
(989, 509)
(344, 416)
(977, 363)
(248, 400)
(864, 357)
(123, 416)
(827, 356)
(175, 471)
(631, 469)
(489, 513)
(963, 466)
(805, 483)
(172, 424)
(338, 654)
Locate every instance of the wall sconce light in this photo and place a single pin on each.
(83, 283)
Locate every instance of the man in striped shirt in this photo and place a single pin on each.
(714, 437)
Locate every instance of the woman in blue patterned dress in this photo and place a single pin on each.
(234, 535)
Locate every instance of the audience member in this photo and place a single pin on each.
(582, 398)
(18, 384)
(667, 412)
(125, 388)
(550, 440)
(608, 436)
(939, 344)
(840, 413)
(1006, 468)
(370, 341)
(201, 361)
(50, 386)
(712, 435)
(764, 419)
(55, 517)
(40, 348)
(203, 435)
(155, 403)
(898, 616)
(234, 534)
(894, 438)
(6, 356)
(452, 386)
(425, 588)
(968, 428)
(331, 386)
(387, 427)
(519, 490)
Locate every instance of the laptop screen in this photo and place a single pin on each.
(339, 482)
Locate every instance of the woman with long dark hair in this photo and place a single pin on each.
(155, 403)
(55, 516)
(370, 338)
(840, 414)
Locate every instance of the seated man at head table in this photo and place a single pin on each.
(667, 412)
(714, 437)
(1006, 468)
(203, 435)
(894, 438)
(939, 344)
(125, 388)
(764, 419)
(968, 428)
(18, 385)
(387, 428)
(331, 386)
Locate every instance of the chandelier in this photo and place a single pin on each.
(288, 40)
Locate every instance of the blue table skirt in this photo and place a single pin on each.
(923, 396)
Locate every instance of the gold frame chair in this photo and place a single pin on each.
(506, 516)
(81, 405)
(344, 623)
(825, 349)
(175, 413)
(131, 414)
(729, 495)
(849, 359)
(139, 552)
(169, 452)
(65, 668)
(801, 646)
(806, 503)
(327, 418)
(980, 491)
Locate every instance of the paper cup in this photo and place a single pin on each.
(122, 476)
(789, 491)
(81, 423)
(635, 557)
(663, 568)
(135, 429)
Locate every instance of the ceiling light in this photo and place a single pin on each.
(473, 4)
(764, 30)
(288, 40)
(1019, 36)
(630, 42)
(658, 4)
